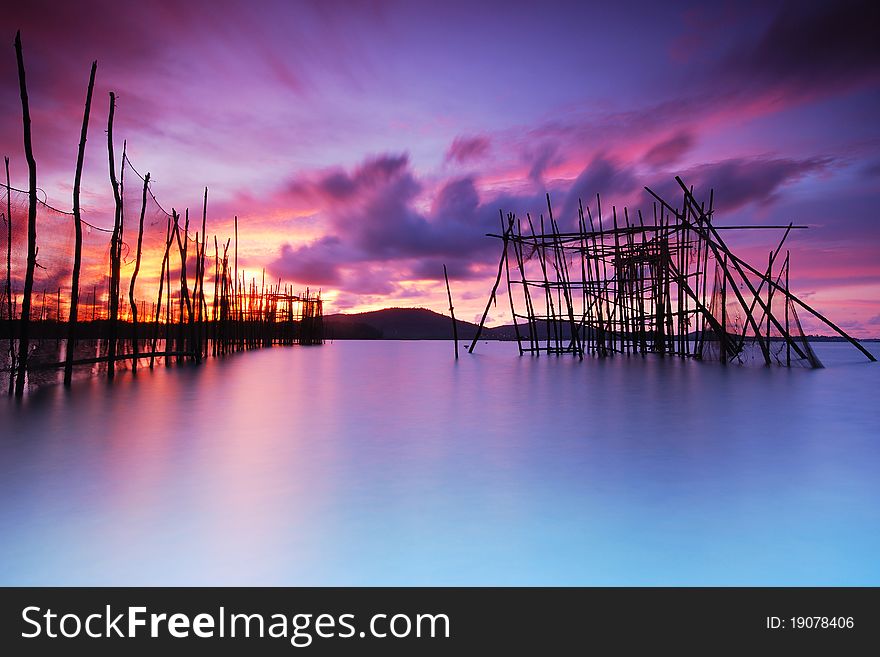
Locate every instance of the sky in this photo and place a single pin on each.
(363, 145)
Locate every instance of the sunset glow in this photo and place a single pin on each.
(365, 145)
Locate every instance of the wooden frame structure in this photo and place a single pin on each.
(667, 285)
(179, 326)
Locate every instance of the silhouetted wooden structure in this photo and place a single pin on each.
(180, 312)
(666, 285)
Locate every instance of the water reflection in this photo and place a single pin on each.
(389, 463)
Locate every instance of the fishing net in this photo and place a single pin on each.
(752, 325)
(52, 279)
(160, 285)
(55, 256)
(637, 286)
(54, 262)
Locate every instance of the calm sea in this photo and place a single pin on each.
(389, 463)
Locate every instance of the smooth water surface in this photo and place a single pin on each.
(390, 463)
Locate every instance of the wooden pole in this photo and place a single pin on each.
(562, 270)
(203, 311)
(10, 312)
(162, 272)
(723, 336)
(169, 317)
(183, 247)
(115, 248)
(159, 298)
(787, 302)
(586, 279)
(214, 318)
(77, 224)
(236, 322)
(451, 312)
(137, 268)
(509, 287)
(530, 309)
(717, 243)
(492, 295)
(23, 335)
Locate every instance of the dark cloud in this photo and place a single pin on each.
(316, 263)
(372, 219)
(377, 233)
(464, 149)
(601, 176)
(669, 151)
(460, 269)
(872, 169)
(738, 182)
(340, 186)
(810, 47)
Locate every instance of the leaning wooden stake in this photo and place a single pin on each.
(115, 248)
(137, 267)
(740, 264)
(509, 286)
(10, 312)
(32, 224)
(77, 225)
(183, 247)
(494, 290)
(158, 315)
(451, 312)
(200, 255)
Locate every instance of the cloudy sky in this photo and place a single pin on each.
(365, 144)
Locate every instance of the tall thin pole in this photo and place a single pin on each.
(134, 275)
(115, 248)
(10, 310)
(491, 296)
(32, 224)
(451, 312)
(203, 310)
(235, 300)
(787, 303)
(723, 336)
(77, 224)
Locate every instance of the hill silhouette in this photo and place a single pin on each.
(401, 324)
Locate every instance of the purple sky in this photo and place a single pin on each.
(363, 145)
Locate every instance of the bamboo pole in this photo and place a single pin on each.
(158, 304)
(202, 313)
(195, 332)
(563, 274)
(586, 279)
(787, 302)
(214, 318)
(73, 318)
(510, 220)
(491, 296)
(716, 243)
(601, 334)
(137, 267)
(24, 330)
(236, 303)
(168, 309)
(451, 312)
(10, 312)
(530, 310)
(184, 301)
(115, 248)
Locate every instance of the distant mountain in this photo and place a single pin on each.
(399, 324)
(424, 324)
